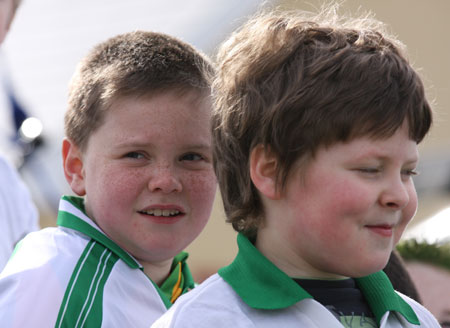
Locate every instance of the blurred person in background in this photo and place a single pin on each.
(400, 278)
(426, 254)
(18, 214)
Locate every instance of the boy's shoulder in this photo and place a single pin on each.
(214, 289)
(46, 247)
(57, 270)
(425, 317)
(36, 276)
(211, 304)
(215, 303)
(219, 299)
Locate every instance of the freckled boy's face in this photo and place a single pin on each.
(148, 173)
(343, 212)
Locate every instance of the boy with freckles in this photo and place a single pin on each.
(315, 130)
(137, 154)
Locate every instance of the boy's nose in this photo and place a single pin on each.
(164, 179)
(396, 194)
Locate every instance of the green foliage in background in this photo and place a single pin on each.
(434, 254)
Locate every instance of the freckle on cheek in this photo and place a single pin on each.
(201, 182)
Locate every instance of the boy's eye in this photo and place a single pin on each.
(191, 157)
(134, 154)
(410, 172)
(369, 170)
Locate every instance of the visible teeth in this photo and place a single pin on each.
(160, 212)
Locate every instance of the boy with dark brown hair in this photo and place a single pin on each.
(315, 133)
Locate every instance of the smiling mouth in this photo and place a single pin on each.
(162, 212)
(383, 230)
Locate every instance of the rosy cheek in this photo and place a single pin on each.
(334, 233)
(202, 185)
(117, 186)
(125, 181)
(356, 199)
(349, 199)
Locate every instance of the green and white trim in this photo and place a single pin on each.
(261, 285)
(83, 297)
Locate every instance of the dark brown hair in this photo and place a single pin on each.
(294, 82)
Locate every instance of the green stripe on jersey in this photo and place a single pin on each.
(83, 299)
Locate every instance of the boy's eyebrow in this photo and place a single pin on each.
(375, 152)
(376, 155)
(138, 144)
(198, 147)
(201, 146)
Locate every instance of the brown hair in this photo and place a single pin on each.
(132, 64)
(294, 82)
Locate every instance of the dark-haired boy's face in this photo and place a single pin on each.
(343, 212)
(147, 173)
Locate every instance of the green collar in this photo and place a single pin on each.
(179, 280)
(72, 215)
(261, 285)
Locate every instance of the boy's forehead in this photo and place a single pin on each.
(367, 146)
(194, 95)
(167, 109)
(121, 102)
(196, 108)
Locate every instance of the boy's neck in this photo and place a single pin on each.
(287, 260)
(157, 272)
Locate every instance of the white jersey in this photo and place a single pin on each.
(75, 276)
(253, 293)
(18, 215)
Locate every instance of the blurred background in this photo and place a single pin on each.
(49, 37)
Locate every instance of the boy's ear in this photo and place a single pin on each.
(263, 171)
(73, 167)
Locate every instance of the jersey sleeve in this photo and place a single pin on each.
(32, 285)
